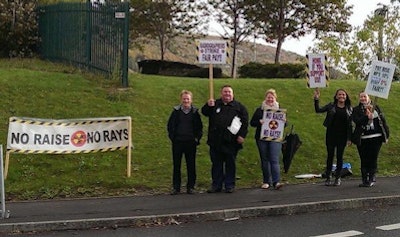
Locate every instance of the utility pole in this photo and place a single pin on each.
(381, 13)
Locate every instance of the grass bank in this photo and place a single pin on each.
(32, 88)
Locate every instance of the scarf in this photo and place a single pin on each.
(264, 106)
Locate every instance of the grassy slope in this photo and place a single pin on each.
(45, 90)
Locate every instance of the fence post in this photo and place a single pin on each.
(125, 47)
(88, 33)
(4, 213)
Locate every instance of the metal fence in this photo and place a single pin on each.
(90, 35)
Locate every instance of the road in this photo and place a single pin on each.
(357, 222)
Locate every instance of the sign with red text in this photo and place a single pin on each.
(317, 73)
(380, 79)
(274, 124)
(212, 51)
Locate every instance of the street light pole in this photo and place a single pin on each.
(381, 13)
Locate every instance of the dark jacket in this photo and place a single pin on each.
(361, 120)
(330, 114)
(220, 118)
(173, 122)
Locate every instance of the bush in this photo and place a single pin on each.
(170, 68)
(258, 70)
(18, 28)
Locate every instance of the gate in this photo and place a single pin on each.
(90, 35)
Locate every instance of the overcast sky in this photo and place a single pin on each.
(361, 9)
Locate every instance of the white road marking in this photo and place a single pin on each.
(342, 234)
(389, 227)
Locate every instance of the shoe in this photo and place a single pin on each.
(364, 185)
(337, 182)
(175, 192)
(371, 184)
(190, 191)
(277, 186)
(265, 186)
(214, 190)
(230, 190)
(328, 182)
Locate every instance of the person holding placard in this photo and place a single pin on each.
(370, 132)
(227, 129)
(185, 130)
(269, 150)
(338, 125)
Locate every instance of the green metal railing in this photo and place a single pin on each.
(89, 35)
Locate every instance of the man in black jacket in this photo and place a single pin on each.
(185, 130)
(228, 122)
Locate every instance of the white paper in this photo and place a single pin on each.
(235, 125)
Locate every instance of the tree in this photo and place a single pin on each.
(230, 15)
(278, 19)
(18, 28)
(377, 39)
(165, 19)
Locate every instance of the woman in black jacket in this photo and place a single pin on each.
(185, 130)
(370, 132)
(338, 130)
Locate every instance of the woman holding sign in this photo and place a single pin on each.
(370, 132)
(269, 150)
(338, 130)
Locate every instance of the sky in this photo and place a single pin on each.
(361, 9)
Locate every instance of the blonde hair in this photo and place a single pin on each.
(186, 92)
(271, 91)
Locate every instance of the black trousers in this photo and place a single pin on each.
(368, 151)
(335, 142)
(188, 149)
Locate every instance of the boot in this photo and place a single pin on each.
(372, 177)
(337, 181)
(364, 178)
(328, 181)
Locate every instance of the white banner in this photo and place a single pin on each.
(68, 136)
(380, 79)
(274, 125)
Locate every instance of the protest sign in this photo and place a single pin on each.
(274, 125)
(317, 73)
(212, 51)
(380, 79)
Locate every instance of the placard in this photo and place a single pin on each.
(212, 51)
(274, 125)
(380, 79)
(317, 73)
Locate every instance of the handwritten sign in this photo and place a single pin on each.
(317, 75)
(274, 124)
(212, 51)
(380, 79)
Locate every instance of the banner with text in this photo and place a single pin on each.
(274, 125)
(32, 135)
(212, 51)
(380, 79)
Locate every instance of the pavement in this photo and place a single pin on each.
(164, 209)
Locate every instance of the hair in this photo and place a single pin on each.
(347, 101)
(227, 85)
(271, 91)
(186, 92)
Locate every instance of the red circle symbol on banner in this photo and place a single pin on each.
(78, 138)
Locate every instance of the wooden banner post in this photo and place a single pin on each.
(211, 81)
